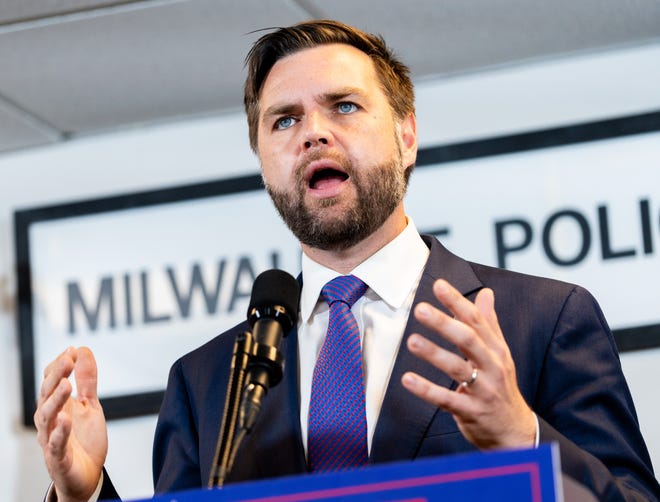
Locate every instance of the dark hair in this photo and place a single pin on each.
(393, 74)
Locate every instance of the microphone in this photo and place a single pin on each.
(272, 312)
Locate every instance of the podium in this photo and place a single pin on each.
(532, 475)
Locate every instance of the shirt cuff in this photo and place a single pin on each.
(537, 437)
(51, 495)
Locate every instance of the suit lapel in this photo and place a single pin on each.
(403, 416)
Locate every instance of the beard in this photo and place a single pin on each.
(379, 190)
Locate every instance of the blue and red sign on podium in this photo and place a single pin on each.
(521, 475)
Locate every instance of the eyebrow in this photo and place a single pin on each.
(342, 93)
(277, 110)
(328, 97)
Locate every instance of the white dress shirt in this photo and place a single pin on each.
(392, 275)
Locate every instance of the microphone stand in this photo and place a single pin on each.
(260, 364)
(223, 459)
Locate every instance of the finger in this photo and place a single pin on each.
(450, 363)
(456, 403)
(59, 437)
(485, 303)
(45, 418)
(462, 308)
(86, 375)
(466, 338)
(58, 369)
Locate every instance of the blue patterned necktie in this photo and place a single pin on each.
(337, 429)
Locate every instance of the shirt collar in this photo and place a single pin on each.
(406, 253)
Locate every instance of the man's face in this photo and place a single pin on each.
(332, 153)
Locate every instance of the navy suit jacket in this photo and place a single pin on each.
(567, 366)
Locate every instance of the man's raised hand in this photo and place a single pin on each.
(71, 430)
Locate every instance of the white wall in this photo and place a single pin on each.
(509, 100)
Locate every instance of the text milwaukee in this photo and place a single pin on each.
(130, 298)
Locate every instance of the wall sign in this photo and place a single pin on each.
(579, 203)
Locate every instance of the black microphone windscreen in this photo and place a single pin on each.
(275, 288)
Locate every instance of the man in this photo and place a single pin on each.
(331, 117)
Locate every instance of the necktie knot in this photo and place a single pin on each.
(345, 288)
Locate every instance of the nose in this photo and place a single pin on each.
(309, 143)
(316, 131)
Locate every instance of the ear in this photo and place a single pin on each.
(409, 140)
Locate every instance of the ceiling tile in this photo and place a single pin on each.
(454, 36)
(116, 64)
(22, 10)
(177, 59)
(18, 132)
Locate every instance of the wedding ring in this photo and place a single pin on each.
(473, 378)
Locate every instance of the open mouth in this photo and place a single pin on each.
(326, 177)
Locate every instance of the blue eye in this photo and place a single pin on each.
(346, 107)
(284, 123)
